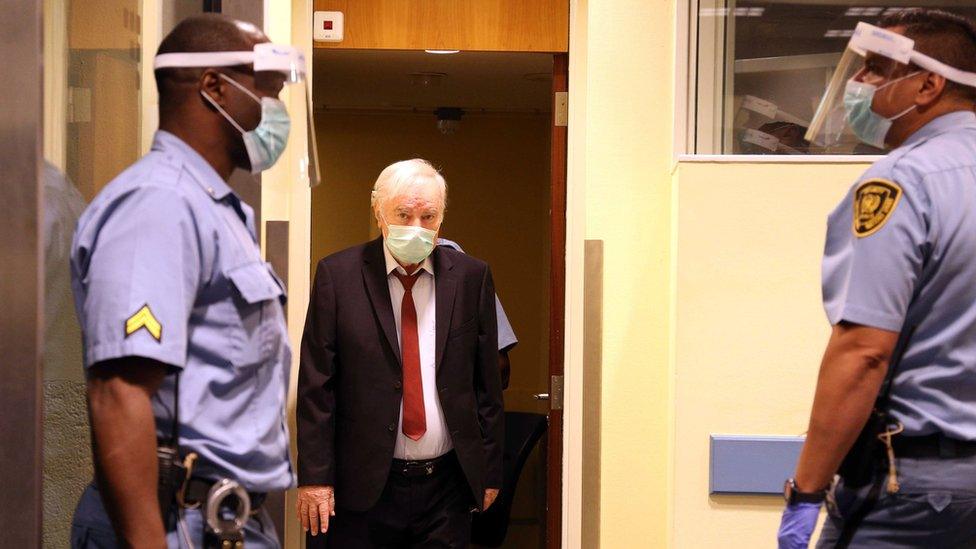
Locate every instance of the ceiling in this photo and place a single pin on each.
(381, 79)
(778, 28)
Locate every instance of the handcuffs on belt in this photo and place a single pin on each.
(220, 532)
(224, 495)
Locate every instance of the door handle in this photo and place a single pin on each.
(541, 396)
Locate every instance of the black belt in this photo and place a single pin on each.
(424, 468)
(198, 488)
(933, 446)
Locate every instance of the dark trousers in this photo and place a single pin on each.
(92, 529)
(416, 511)
(935, 507)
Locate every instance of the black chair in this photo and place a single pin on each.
(522, 432)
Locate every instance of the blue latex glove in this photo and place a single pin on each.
(797, 526)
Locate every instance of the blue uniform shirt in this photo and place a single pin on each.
(506, 334)
(901, 252)
(165, 265)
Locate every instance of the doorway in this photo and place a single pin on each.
(485, 119)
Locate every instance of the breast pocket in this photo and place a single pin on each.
(257, 298)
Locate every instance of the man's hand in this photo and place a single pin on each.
(797, 526)
(490, 495)
(315, 505)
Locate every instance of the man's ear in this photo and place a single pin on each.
(932, 88)
(213, 86)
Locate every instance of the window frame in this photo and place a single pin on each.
(686, 100)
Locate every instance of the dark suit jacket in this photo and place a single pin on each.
(349, 383)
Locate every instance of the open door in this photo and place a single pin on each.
(557, 300)
(504, 159)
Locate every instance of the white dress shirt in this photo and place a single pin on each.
(436, 441)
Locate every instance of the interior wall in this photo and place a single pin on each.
(750, 327)
(619, 184)
(496, 167)
(286, 196)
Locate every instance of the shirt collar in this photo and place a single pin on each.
(942, 124)
(199, 168)
(392, 265)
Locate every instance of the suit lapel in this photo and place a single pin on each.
(445, 288)
(378, 289)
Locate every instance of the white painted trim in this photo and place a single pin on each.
(778, 158)
(152, 35)
(572, 511)
(682, 78)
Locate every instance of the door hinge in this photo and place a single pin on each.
(556, 389)
(561, 109)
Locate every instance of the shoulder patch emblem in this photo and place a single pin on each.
(874, 201)
(144, 318)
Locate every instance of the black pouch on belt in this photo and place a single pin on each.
(866, 458)
(172, 472)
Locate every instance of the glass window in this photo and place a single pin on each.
(759, 68)
(95, 110)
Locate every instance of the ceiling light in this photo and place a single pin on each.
(713, 12)
(749, 12)
(442, 52)
(863, 11)
(755, 11)
(892, 11)
(836, 33)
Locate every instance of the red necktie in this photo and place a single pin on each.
(414, 415)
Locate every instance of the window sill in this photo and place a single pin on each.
(779, 158)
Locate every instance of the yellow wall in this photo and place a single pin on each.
(712, 317)
(621, 84)
(749, 326)
(285, 196)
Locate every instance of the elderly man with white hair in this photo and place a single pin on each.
(400, 414)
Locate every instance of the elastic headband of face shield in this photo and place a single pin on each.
(265, 57)
(900, 48)
(867, 40)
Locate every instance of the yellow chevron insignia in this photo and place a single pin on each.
(144, 319)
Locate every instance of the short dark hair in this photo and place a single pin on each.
(200, 33)
(943, 36)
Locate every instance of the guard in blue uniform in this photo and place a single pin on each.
(184, 332)
(895, 408)
(506, 334)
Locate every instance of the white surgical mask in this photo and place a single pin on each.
(266, 142)
(409, 243)
(869, 126)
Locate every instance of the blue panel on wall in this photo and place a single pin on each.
(752, 464)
